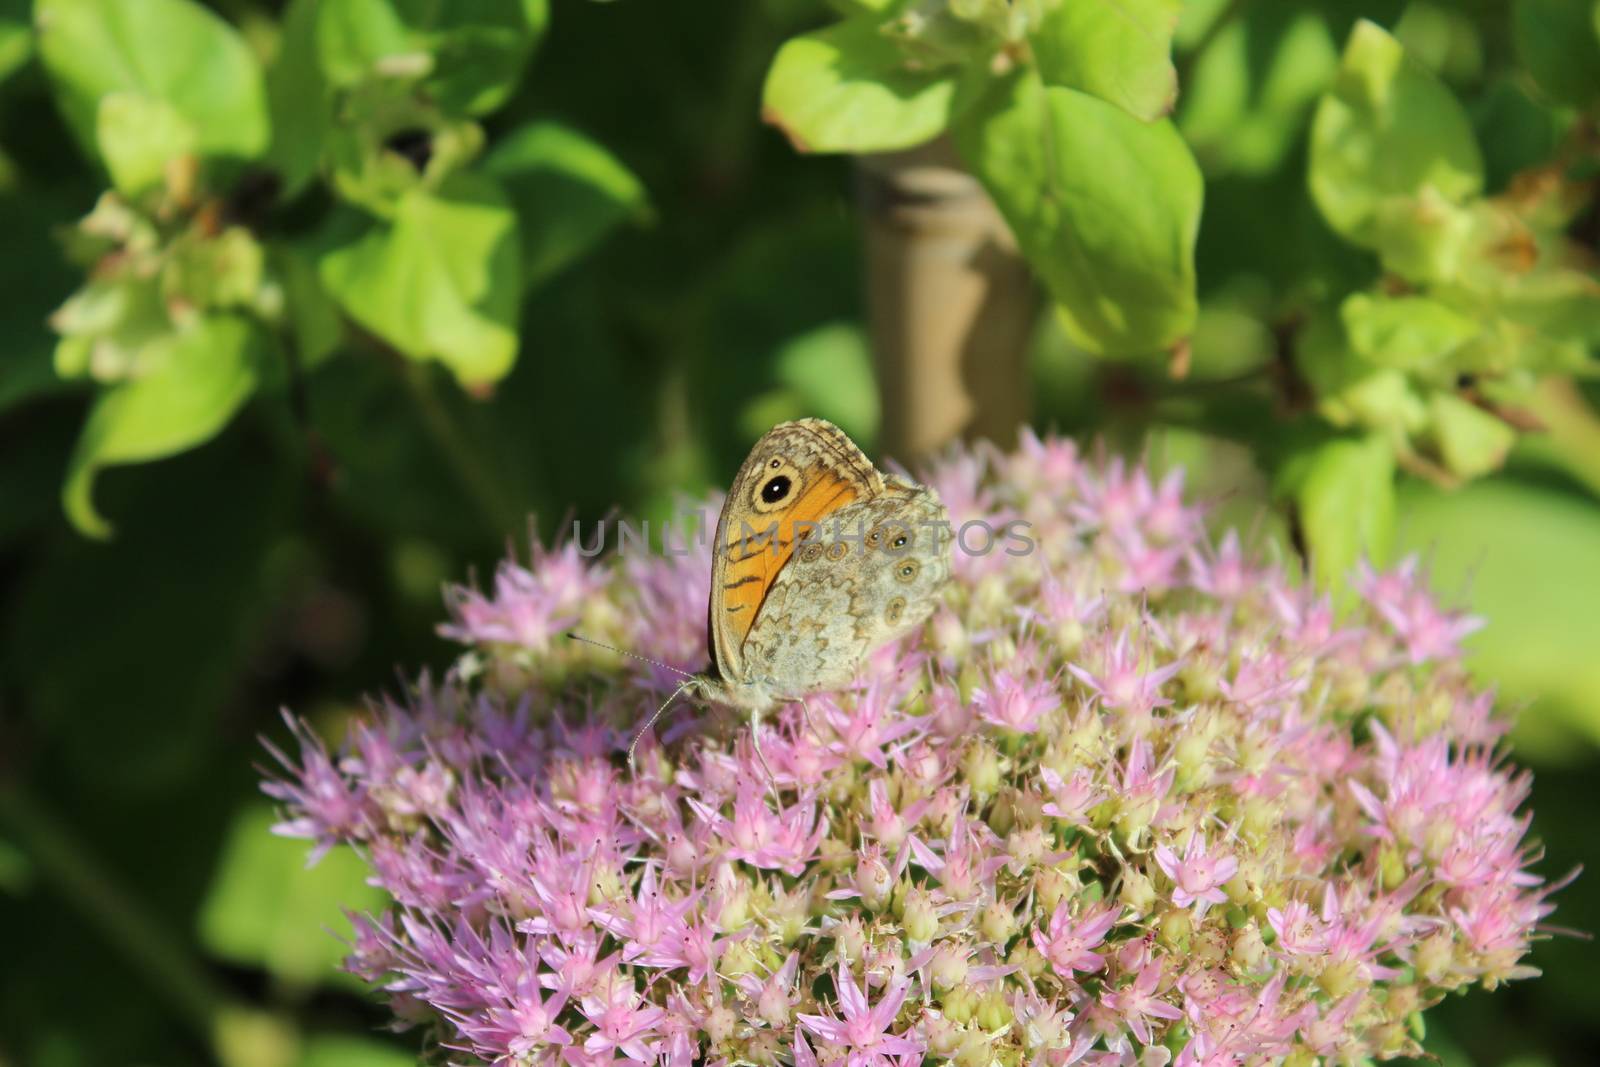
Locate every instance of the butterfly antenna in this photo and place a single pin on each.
(631, 655)
(676, 693)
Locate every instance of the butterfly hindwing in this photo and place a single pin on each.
(873, 572)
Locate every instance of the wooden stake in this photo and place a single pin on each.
(951, 302)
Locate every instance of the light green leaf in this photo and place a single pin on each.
(309, 312)
(1557, 45)
(469, 53)
(1118, 50)
(1343, 490)
(847, 88)
(1105, 207)
(355, 39)
(1515, 131)
(138, 137)
(1527, 559)
(480, 46)
(441, 282)
(1243, 114)
(342, 1050)
(826, 372)
(167, 50)
(265, 908)
(1471, 441)
(569, 193)
(190, 392)
(1351, 391)
(297, 95)
(1387, 130)
(1559, 301)
(16, 37)
(1405, 332)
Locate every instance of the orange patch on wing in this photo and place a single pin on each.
(757, 553)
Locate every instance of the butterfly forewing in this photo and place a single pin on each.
(795, 477)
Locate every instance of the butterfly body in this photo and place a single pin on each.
(819, 558)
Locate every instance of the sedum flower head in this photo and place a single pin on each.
(1130, 797)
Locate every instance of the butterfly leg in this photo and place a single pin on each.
(805, 713)
(755, 740)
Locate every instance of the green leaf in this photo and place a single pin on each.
(1351, 391)
(356, 38)
(441, 282)
(569, 193)
(1343, 490)
(1559, 301)
(173, 51)
(1105, 207)
(826, 372)
(1406, 332)
(193, 388)
(1242, 113)
(266, 908)
(480, 47)
(1118, 50)
(297, 95)
(469, 53)
(1528, 561)
(138, 136)
(1387, 130)
(847, 88)
(1514, 131)
(342, 1050)
(1471, 441)
(1558, 45)
(310, 313)
(16, 38)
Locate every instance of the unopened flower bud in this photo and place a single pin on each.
(981, 769)
(1175, 929)
(1339, 978)
(1027, 847)
(949, 636)
(997, 924)
(1248, 951)
(764, 1048)
(948, 968)
(977, 1050)
(1050, 887)
(1138, 892)
(920, 919)
(1434, 955)
(959, 1003)
(850, 939)
(737, 959)
(873, 880)
(1194, 769)
(943, 1035)
(994, 1013)
(773, 1006)
(787, 915)
(720, 1023)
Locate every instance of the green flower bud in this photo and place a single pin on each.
(997, 924)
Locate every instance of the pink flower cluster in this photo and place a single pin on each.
(1134, 798)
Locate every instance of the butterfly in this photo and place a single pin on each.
(819, 558)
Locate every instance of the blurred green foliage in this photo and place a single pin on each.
(410, 271)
